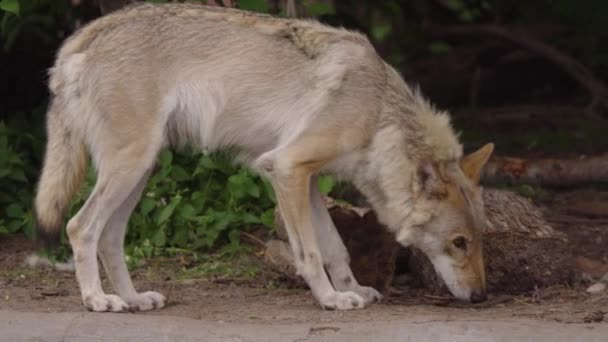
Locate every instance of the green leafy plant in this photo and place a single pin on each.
(17, 177)
(36, 19)
(195, 202)
(254, 5)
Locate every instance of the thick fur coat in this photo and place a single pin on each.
(292, 98)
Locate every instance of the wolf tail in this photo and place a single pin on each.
(62, 175)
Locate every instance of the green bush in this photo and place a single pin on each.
(21, 146)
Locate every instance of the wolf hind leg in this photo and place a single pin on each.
(111, 253)
(120, 167)
(335, 254)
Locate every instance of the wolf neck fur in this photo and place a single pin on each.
(427, 131)
(410, 132)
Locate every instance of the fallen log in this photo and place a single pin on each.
(549, 171)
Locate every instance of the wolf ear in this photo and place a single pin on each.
(473, 163)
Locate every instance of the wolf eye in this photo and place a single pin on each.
(460, 242)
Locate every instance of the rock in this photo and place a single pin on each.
(596, 288)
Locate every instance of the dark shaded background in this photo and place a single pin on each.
(528, 75)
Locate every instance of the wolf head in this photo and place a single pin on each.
(448, 195)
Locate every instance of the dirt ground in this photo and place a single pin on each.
(269, 298)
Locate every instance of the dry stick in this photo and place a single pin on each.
(580, 73)
(547, 171)
(254, 238)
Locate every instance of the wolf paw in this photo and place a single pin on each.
(105, 302)
(146, 301)
(369, 294)
(343, 301)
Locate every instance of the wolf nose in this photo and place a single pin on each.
(478, 296)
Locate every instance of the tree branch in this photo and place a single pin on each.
(579, 72)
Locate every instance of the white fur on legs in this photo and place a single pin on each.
(84, 231)
(335, 255)
(292, 189)
(105, 302)
(111, 252)
(114, 185)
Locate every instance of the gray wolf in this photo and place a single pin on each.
(295, 99)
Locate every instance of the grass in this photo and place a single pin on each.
(238, 263)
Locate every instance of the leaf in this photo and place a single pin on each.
(236, 185)
(269, 191)
(167, 211)
(11, 36)
(326, 184)
(18, 175)
(4, 173)
(180, 237)
(147, 248)
(186, 211)
(11, 6)
(253, 189)
(466, 16)
(207, 162)
(14, 211)
(319, 8)
(14, 226)
(222, 222)
(198, 199)
(267, 218)
(29, 228)
(440, 47)
(455, 4)
(248, 218)
(166, 157)
(159, 238)
(234, 236)
(147, 204)
(254, 5)
(381, 31)
(178, 174)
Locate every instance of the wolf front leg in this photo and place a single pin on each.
(290, 170)
(334, 253)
